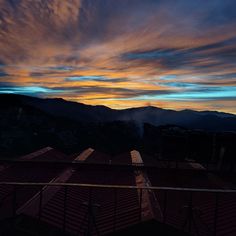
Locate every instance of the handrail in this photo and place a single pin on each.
(17, 160)
(167, 162)
(119, 187)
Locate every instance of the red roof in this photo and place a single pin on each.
(116, 209)
(174, 204)
(203, 211)
(122, 159)
(27, 172)
(47, 154)
(106, 200)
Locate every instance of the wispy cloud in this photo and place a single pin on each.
(174, 54)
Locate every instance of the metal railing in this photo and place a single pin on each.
(158, 163)
(187, 208)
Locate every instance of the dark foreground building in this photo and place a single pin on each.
(49, 193)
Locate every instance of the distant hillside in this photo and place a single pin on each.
(27, 124)
(205, 120)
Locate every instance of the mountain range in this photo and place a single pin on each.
(78, 112)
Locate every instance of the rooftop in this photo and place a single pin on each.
(96, 194)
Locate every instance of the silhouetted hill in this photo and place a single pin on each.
(205, 120)
(28, 123)
(85, 113)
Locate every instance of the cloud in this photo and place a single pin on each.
(196, 58)
(96, 78)
(3, 74)
(121, 53)
(29, 90)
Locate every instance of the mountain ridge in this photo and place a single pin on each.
(206, 120)
(123, 109)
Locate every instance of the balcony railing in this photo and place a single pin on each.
(193, 210)
(211, 166)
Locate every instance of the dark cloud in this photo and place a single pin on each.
(212, 55)
(217, 45)
(121, 92)
(3, 74)
(6, 84)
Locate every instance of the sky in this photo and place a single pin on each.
(175, 54)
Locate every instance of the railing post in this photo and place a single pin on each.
(89, 213)
(168, 163)
(165, 205)
(216, 212)
(189, 214)
(207, 164)
(115, 209)
(14, 205)
(190, 211)
(176, 164)
(40, 203)
(140, 204)
(64, 208)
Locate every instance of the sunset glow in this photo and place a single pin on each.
(128, 53)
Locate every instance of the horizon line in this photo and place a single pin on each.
(120, 109)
